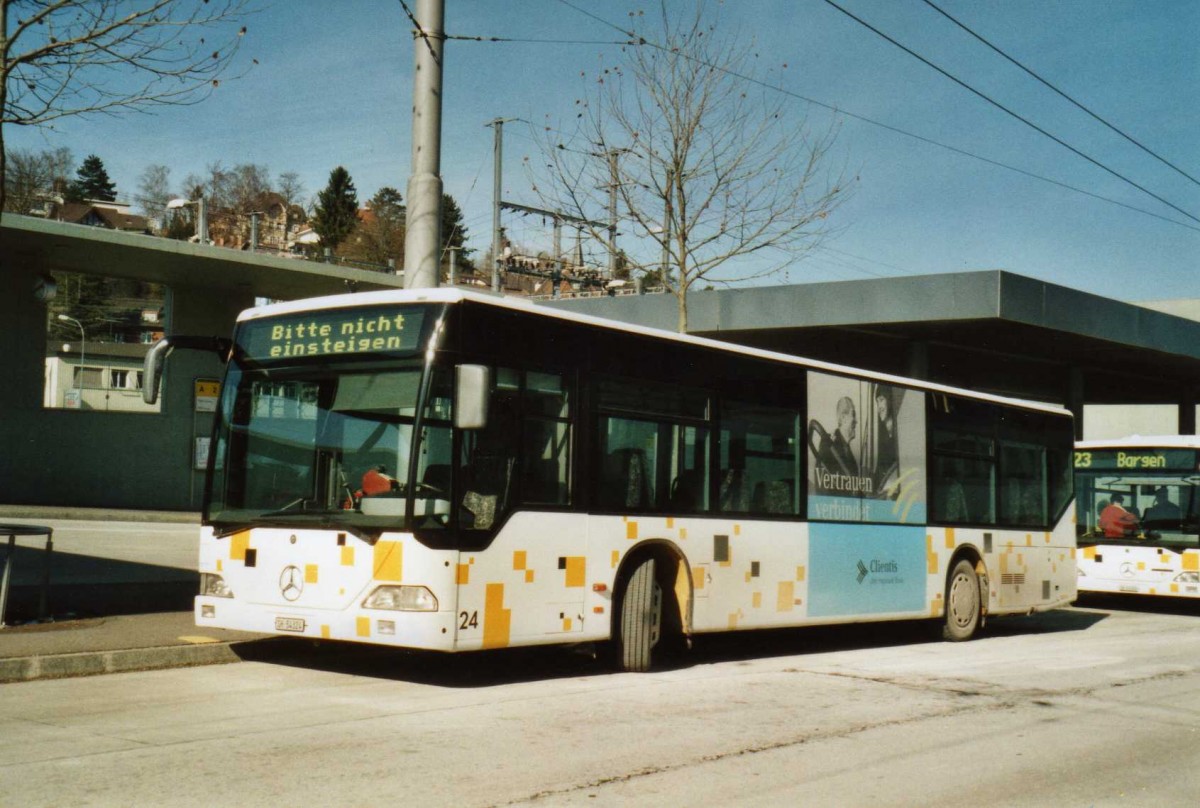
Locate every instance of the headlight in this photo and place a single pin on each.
(1188, 578)
(214, 586)
(401, 599)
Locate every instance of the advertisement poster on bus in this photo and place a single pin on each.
(866, 451)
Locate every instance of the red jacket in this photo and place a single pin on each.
(375, 482)
(1117, 522)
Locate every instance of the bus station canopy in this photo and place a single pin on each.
(993, 331)
(58, 246)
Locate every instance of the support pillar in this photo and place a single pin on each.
(1075, 398)
(1187, 413)
(918, 360)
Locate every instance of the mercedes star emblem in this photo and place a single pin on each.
(291, 582)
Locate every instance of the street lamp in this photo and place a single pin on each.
(201, 215)
(82, 352)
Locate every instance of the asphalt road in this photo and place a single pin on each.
(1085, 707)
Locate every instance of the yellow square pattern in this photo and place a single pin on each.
(389, 561)
(576, 570)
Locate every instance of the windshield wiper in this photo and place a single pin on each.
(301, 507)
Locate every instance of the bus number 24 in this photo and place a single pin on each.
(468, 620)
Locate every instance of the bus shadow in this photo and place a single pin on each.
(521, 665)
(464, 670)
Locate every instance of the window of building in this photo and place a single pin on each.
(98, 331)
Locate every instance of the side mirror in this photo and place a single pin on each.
(152, 369)
(472, 389)
(156, 357)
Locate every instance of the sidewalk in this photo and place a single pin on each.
(132, 642)
(111, 609)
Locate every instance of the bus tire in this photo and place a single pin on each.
(963, 604)
(641, 618)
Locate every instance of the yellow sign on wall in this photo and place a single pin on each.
(206, 394)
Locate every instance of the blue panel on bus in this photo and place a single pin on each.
(865, 569)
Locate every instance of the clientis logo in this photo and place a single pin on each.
(877, 567)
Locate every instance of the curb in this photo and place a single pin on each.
(93, 663)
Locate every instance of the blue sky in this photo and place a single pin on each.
(334, 81)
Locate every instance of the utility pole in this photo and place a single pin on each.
(612, 211)
(497, 175)
(558, 261)
(453, 264)
(254, 216)
(422, 246)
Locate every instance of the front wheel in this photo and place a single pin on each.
(641, 618)
(962, 603)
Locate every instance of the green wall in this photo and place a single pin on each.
(103, 459)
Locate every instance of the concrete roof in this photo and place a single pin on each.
(977, 314)
(924, 299)
(59, 246)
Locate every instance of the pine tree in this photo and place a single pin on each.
(454, 233)
(336, 211)
(91, 182)
(384, 236)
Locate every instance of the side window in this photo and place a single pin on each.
(964, 459)
(654, 448)
(524, 452)
(546, 457)
(1035, 468)
(490, 455)
(628, 464)
(1022, 483)
(759, 463)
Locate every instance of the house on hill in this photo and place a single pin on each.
(278, 224)
(99, 213)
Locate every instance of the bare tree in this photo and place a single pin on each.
(154, 192)
(289, 186)
(707, 162)
(248, 183)
(32, 178)
(74, 57)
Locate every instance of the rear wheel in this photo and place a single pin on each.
(962, 603)
(641, 618)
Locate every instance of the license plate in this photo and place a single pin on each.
(289, 624)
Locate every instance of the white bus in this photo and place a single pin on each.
(1139, 515)
(447, 470)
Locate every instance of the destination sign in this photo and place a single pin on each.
(387, 330)
(1136, 459)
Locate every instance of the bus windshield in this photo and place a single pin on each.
(1138, 496)
(317, 427)
(323, 447)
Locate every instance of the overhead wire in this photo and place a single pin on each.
(420, 31)
(1010, 112)
(894, 129)
(1128, 137)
